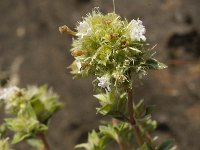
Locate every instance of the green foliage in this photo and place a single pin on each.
(143, 116)
(167, 145)
(31, 109)
(44, 102)
(94, 142)
(36, 143)
(146, 146)
(154, 64)
(108, 134)
(112, 104)
(25, 125)
(4, 145)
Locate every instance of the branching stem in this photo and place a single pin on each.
(42, 137)
(132, 118)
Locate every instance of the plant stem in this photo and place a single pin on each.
(42, 137)
(118, 140)
(132, 118)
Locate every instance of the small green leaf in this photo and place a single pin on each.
(102, 97)
(38, 106)
(167, 145)
(135, 49)
(83, 145)
(42, 128)
(4, 144)
(145, 146)
(109, 131)
(154, 64)
(36, 143)
(18, 137)
(149, 109)
(140, 108)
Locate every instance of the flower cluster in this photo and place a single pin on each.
(137, 30)
(104, 82)
(106, 44)
(30, 108)
(13, 97)
(9, 91)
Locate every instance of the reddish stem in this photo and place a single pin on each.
(138, 133)
(42, 137)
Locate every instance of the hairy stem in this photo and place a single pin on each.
(132, 118)
(42, 137)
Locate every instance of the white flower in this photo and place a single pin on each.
(141, 72)
(104, 82)
(78, 64)
(83, 29)
(7, 92)
(137, 30)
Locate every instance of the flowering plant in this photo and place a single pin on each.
(31, 110)
(116, 53)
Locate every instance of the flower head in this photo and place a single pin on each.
(137, 30)
(83, 29)
(112, 47)
(104, 82)
(7, 92)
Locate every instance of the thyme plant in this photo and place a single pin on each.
(28, 112)
(115, 51)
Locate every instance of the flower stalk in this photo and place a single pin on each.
(42, 137)
(132, 118)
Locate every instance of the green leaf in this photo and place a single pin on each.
(112, 104)
(18, 137)
(105, 110)
(154, 64)
(135, 49)
(167, 145)
(2, 129)
(149, 109)
(36, 143)
(83, 145)
(4, 144)
(145, 146)
(118, 115)
(42, 128)
(109, 131)
(95, 142)
(140, 108)
(102, 97)
(38, 106)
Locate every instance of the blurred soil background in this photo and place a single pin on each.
(30, 41)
